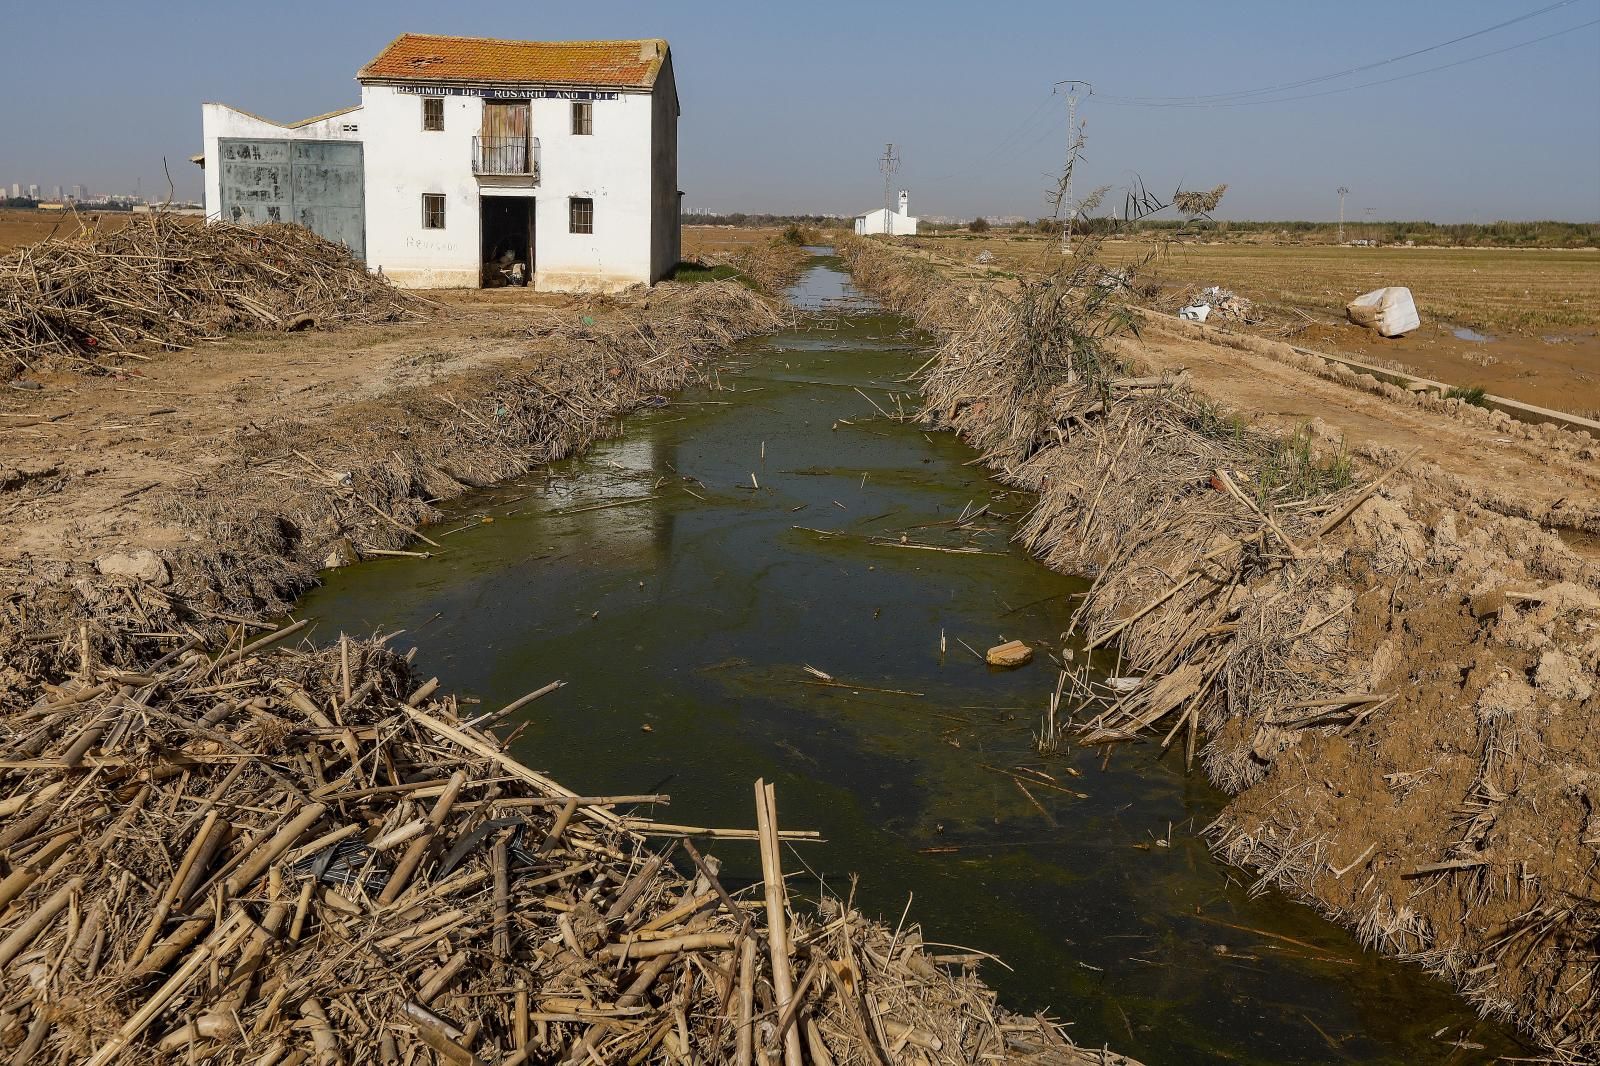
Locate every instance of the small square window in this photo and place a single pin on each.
(432, 114)
(433, 210)
(580, 215)
(582, 118)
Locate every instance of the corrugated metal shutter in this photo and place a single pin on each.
(315, 183)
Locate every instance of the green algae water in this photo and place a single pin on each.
(683, 576)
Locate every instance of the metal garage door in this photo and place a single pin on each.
(315, 183)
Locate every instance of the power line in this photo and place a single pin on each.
(1238, 95)
(984, 158)
(1366, 84)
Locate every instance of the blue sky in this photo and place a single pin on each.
(786, 106)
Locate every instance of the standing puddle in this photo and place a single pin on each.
(1467, 333)
(674, 579)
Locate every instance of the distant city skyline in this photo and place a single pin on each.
(58, 190)
(78, 193)
(786, 108)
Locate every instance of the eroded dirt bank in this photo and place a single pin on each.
(193, 845)
(1396, 679)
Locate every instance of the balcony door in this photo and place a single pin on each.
(505, 136)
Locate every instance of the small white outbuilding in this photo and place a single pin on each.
(894, 223)
(473, 161)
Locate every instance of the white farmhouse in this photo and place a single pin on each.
(472, 161)
(895, 223)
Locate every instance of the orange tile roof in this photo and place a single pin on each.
(426, 57)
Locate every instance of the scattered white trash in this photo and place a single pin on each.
(1195, 312)
(1390, 311)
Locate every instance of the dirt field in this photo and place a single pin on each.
(1539, 309)
(87, 458)
(112, 439)
(19, 228)
(705, 240)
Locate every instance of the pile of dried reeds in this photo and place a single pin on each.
(164, 282)
(1200, 534)
(288, 856)
(770, 265)
(908, 284)
(670, 322)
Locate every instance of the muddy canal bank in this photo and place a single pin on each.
(683, 577)
(1395, 678)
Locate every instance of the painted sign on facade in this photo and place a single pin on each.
(506, 94)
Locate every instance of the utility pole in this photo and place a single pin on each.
(1074, 145)
(889, 162)
(1343, 192)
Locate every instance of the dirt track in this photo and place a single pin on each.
(1558, 487)
(1552, 479)
(82, 456)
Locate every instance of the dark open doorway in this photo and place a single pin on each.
(507, 240)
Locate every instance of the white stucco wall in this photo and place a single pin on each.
(403, 161)
(897, 225)
(221, 121)
(612, 166)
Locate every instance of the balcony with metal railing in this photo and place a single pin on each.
(506, 157)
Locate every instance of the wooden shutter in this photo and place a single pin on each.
(505, 135)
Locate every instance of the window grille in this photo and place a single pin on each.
(580, 215)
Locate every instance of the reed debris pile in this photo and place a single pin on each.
(166, 282)
(289, 856)
(770, 265)
(673, 320)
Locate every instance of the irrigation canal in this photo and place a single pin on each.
(673, 577)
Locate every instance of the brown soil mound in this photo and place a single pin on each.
(1402, 693)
